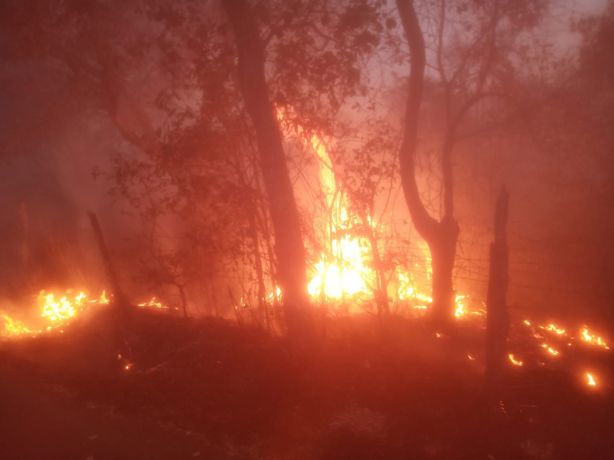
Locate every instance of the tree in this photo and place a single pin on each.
(474, 72)
(289, 247)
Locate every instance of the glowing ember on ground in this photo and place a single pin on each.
(550, 350)
(515, 361)
(592, 339)
(153, 302)
(590, 379)
(553, 328)
(527, 322)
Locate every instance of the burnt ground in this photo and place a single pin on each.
(210, 389)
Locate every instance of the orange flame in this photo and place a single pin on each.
(56, 310)
(515, 361)
(592, 339)
(590, 379)
(550, 350)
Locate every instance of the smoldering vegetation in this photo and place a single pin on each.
(303, 251)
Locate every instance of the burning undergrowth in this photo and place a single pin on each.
(359, 393)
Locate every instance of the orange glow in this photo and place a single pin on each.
(460, 308)
(553, 328)
(13, 327)
(591, 339)
(550, 350)
(515, 361)
(58, 309)
(54, 310)
(343, 268)
(153, 303)
(590, 379)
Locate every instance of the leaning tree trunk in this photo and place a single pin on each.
(497, 322)
(441, 236)
(289, 249)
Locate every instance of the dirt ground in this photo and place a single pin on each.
(210, 389)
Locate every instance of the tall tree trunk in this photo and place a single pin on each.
(441, 236)
(289, 249)
(497, 323)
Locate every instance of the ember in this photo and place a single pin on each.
(591, 381)
(551, 351)
(347, 229)
(515, 361)
(592, 339)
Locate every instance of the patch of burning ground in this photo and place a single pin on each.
(361, 392)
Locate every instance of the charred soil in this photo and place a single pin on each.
(211, 389)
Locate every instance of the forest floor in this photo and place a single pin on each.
(211, 389)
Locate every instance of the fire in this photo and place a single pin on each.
(103, 299)
(459, 309)
(408, 291)
(59, 309)
(344, 270)
(153, 303)
(274, 297)
(515, 361)
(55, 310)
(590, 379)
(555, 329)
(343, 267)
(592, 339)
(550, 350)
(13, 327)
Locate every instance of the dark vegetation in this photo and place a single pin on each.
(229, 149)
(240, 393)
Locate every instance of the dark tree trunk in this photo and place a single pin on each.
(289, 249)
(121, 315)
(118, 293)
(184, 300)
(497, 324)
(443, 252)
(441, 236)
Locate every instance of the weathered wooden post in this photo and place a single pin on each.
(497, 323)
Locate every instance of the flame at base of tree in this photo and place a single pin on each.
(344, 270)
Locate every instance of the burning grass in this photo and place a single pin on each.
(357, 394)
